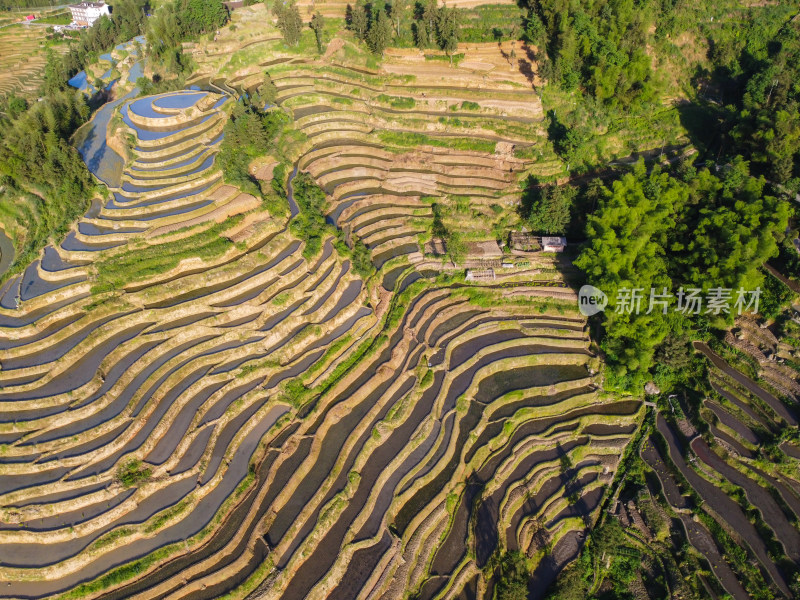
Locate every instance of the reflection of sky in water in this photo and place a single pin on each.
(178, 101)
(150, 135)
(108, 166)
(203, 164)
(135, 72)
(154, 184)
(120, 199)
(144, 108)
(107, 56)
(160, 214)
(101, 160)
(52, 261)
(73, 244)
(85, 228)
(78, 81)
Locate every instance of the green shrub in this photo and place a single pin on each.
(309, 224)
(132, 472)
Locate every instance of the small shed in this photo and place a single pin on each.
(554, 244)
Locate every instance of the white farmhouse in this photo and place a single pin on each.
(85, 14)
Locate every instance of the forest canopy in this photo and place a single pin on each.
(665, 232)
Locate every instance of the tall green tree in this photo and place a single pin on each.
(359, 22)
(727, 230)
(289, 21)
(177, 21)
(318, 25)
(658, 233)
(430, 12)
(626, 252)
(448, 24)
(203, 16)
(399, 11)
(380, 33)
(548, 208)
(597, 45)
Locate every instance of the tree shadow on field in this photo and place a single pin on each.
(526, 68)
(706, 127)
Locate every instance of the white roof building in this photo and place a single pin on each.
(86, 13)
(554, 244)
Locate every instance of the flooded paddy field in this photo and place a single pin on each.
(196, 402)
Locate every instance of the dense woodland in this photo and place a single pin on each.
(710, 220)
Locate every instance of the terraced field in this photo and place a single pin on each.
(738, 475)
(23, 56)
(189, 405)
(387, 145)
(192, 407)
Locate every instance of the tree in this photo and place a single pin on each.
(548, 208)
(628, 237)
(177, 21)
(657, 233)
(55, 74)
(358, 21)
(318, 25)
(420, 34)
(16, 106)
(203, 16)
(447, 30)
(380, 33)
(267, 91)
(675, 352)
(567, 141)
(289, 21)
(430, 11)
(728, 229)
(513, 583)
(398, 11)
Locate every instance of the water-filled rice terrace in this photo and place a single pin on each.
(252, 421)
(732, 485)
